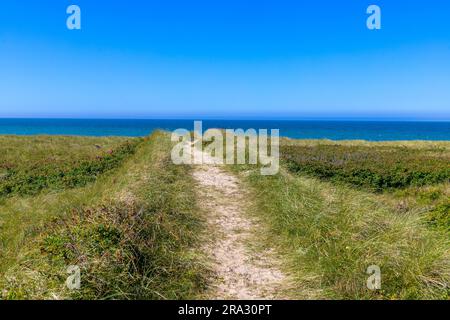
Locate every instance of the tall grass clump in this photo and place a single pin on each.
(334, 233)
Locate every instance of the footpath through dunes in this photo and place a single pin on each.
(241, 271)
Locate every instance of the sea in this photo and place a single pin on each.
(298, 129)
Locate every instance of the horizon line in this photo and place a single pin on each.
(230, 118)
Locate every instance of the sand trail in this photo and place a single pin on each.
(241, 271)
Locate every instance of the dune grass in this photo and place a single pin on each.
(31, 164)
(331, 232)
(133, 225)
(131, 233)
(25, 153)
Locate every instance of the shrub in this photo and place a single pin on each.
(50, 175)
(440, 216)
(376, 168)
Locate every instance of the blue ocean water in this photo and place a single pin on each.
(301, 129)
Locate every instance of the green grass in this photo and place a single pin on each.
(374, 167)
(131, 231)
(330, 232)
(433, 201)
(27, 152)
(58, 162)
(120, 210)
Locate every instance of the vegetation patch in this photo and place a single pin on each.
(439, 217)
(49, 174)
(331, 235)
(125, 251)
(377, 168)
(132, 235)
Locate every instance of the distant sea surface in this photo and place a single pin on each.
(301, 129)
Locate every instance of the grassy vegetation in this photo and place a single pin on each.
(375, 167)
(120, 210)
(331, 232)
(414, 173)
(131, 232)
(432, 201)
(29, 165)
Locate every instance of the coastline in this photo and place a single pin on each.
(333, 130)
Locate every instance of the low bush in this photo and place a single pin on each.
(48, 175)
(439, 217)
(376, 168)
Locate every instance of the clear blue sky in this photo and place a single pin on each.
(233, 58)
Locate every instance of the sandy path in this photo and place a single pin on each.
(242, 272)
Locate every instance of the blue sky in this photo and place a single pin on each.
(234, 58)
